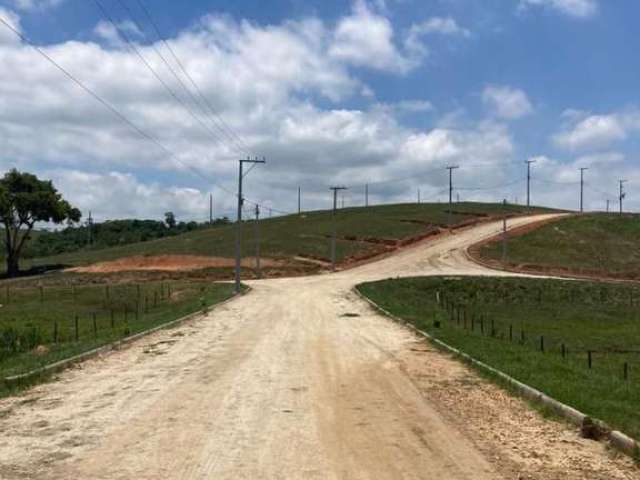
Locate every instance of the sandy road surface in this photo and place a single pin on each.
(282, 384)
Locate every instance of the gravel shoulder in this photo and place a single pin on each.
(298, 379)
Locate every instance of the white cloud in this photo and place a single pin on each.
(597, 131)
(36, 5)
(572, 8)
(365, 39)
(112, 34)
(7, 36)
(434, 25)
(262, 79)
(507, 102)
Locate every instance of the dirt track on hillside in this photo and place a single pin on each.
(282, 383)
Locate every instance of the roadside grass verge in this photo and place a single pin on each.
(520, 326)
(361, 232)
(42, 326)
(604, 245)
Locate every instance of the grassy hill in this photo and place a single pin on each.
(590, 245)
(361, 232)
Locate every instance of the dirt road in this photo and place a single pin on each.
(299, 380)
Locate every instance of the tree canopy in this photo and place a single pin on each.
(24, 201)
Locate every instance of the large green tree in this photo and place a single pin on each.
(25, 200)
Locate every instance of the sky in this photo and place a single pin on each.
(159, 99)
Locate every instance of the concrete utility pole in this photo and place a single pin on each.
(451, 169)
(333, 237)
(529, 162)
(366, 195)
(239, 219)
(299, 201)
(504, 231)
(582, 170)
(258, 271)
(622, 193)
(89, 229)
(418, 196)
(608, 205)
(211, 209)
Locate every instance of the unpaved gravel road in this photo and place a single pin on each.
(281, 384)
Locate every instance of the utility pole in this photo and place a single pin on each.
(211, 209)
(366, 195)
(582, 170)
(608, 205)
(418, 196)
(239, 219)
(269, 212)
(342, 200)
(451, 169)
(298, 200)
(622, 193)
(529, 162)
(258, 271)
(333, 237)
(504, 231)
(89, 229)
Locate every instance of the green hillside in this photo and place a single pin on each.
(593, 244)
(361, 232)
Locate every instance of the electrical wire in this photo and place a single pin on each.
(223, 126)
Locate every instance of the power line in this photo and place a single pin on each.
(135, 50)
(223, 126)
(117, 113)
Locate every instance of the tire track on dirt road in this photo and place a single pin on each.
(281, 383)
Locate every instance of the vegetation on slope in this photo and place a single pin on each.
(593, 244)
(361, 232)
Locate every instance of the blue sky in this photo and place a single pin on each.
(357, 92)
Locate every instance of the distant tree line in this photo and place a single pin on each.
(108, 234)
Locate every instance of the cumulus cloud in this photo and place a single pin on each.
(587, 131)
(573, 8)
(434, 25)
(366, 39)
(264, 80)
(507, 102)
(13, 20)
(112, 35)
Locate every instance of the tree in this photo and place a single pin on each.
(170, 219)
(25, 200)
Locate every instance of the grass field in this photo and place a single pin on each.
(594, 244)
(359, 231)
(40, 326)
(520, 326)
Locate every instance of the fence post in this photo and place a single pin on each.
(8, 295)
(482, 325)
(113, 324)
(493, 328)
(107, 292)
(95, 325)
(73, 294)
(77, 330)
(589, 359)
(522, 336)
(511, 332)
(55, 331)
(563, 351)
(542, 343)
(626, 371)
(473, 322)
